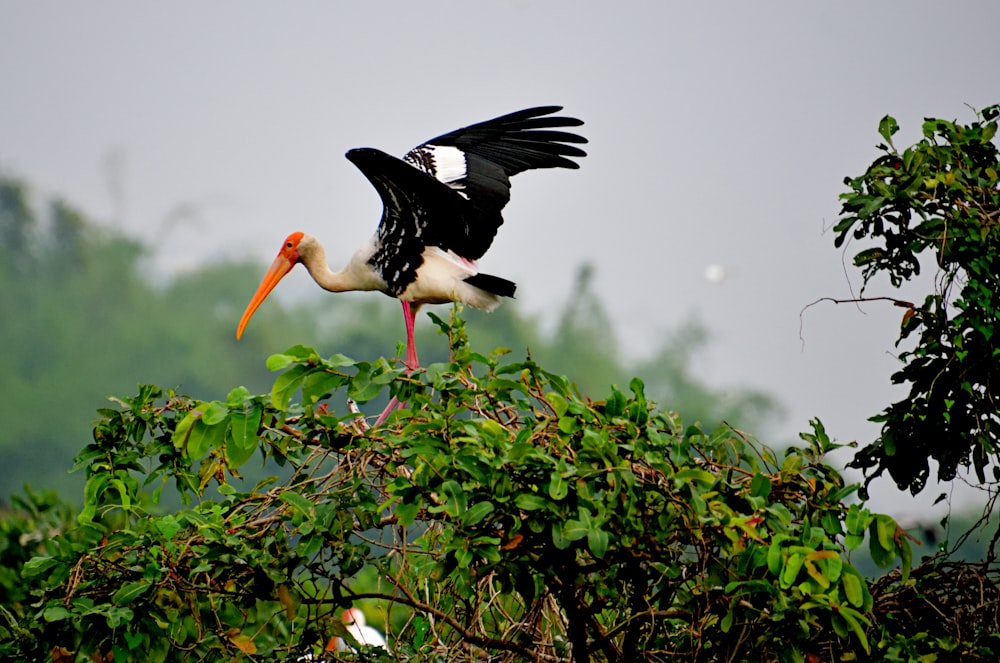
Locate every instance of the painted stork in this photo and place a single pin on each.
(354, 622)
(442, 207)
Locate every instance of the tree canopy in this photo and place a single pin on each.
(936, 202)
(501, 515)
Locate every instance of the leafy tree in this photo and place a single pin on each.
(939, 200)
(499, 515)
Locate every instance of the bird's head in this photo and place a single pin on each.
(353, 616)
(288, 257)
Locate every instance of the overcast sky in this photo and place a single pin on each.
(720, 134)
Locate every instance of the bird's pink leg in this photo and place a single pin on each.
(411, 361)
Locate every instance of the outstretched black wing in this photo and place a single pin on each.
(449, 192)
(479, 160)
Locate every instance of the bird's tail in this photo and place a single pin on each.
(492, 284)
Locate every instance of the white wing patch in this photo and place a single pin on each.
(444, 162)
(449, 163)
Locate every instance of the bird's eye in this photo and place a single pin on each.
(288, 246)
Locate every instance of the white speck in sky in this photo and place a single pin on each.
(715, 273)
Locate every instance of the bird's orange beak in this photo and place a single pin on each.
(277, 271)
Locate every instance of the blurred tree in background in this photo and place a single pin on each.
(82, 317)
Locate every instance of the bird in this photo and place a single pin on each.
(354, 622)
(442, 205)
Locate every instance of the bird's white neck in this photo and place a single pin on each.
(356, 276)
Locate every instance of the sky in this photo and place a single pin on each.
(720, 134)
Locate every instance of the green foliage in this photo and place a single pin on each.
(500, 513)
(940, 199)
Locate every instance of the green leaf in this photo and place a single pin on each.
(791, 569)
(320, 383)
(303, 353)
(885, 531)
(558, 403)
(597, 540)
(477, 512)
(123, 493)
(214, 413)
(237, 396)
(812, 563)
(130, 592)
(694, 475)
(242, 440)
(204, 437)
(92, 492)
(906, 559)
(558, 485)
(406, 513)
(760, 485)
(299, 502)
(781, 512)
(887, 128)
(792, 463)
(564, 533)
(853, 587)
(569, 425)
(56, 613)
(638, 389)
(882, 556)
(279, 361)
(854, 619)
(244, 427)
(531, 502)
(452, 499)
(559, 538)
(464, 557)
(286, 385)
(362, 388)
(615, 405)
(167, 526)
(183, 429)
(857, 519)
(38, 565)
(338, 360)
(727, 622)
(775, 553)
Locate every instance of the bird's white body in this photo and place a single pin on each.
(442, 279)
